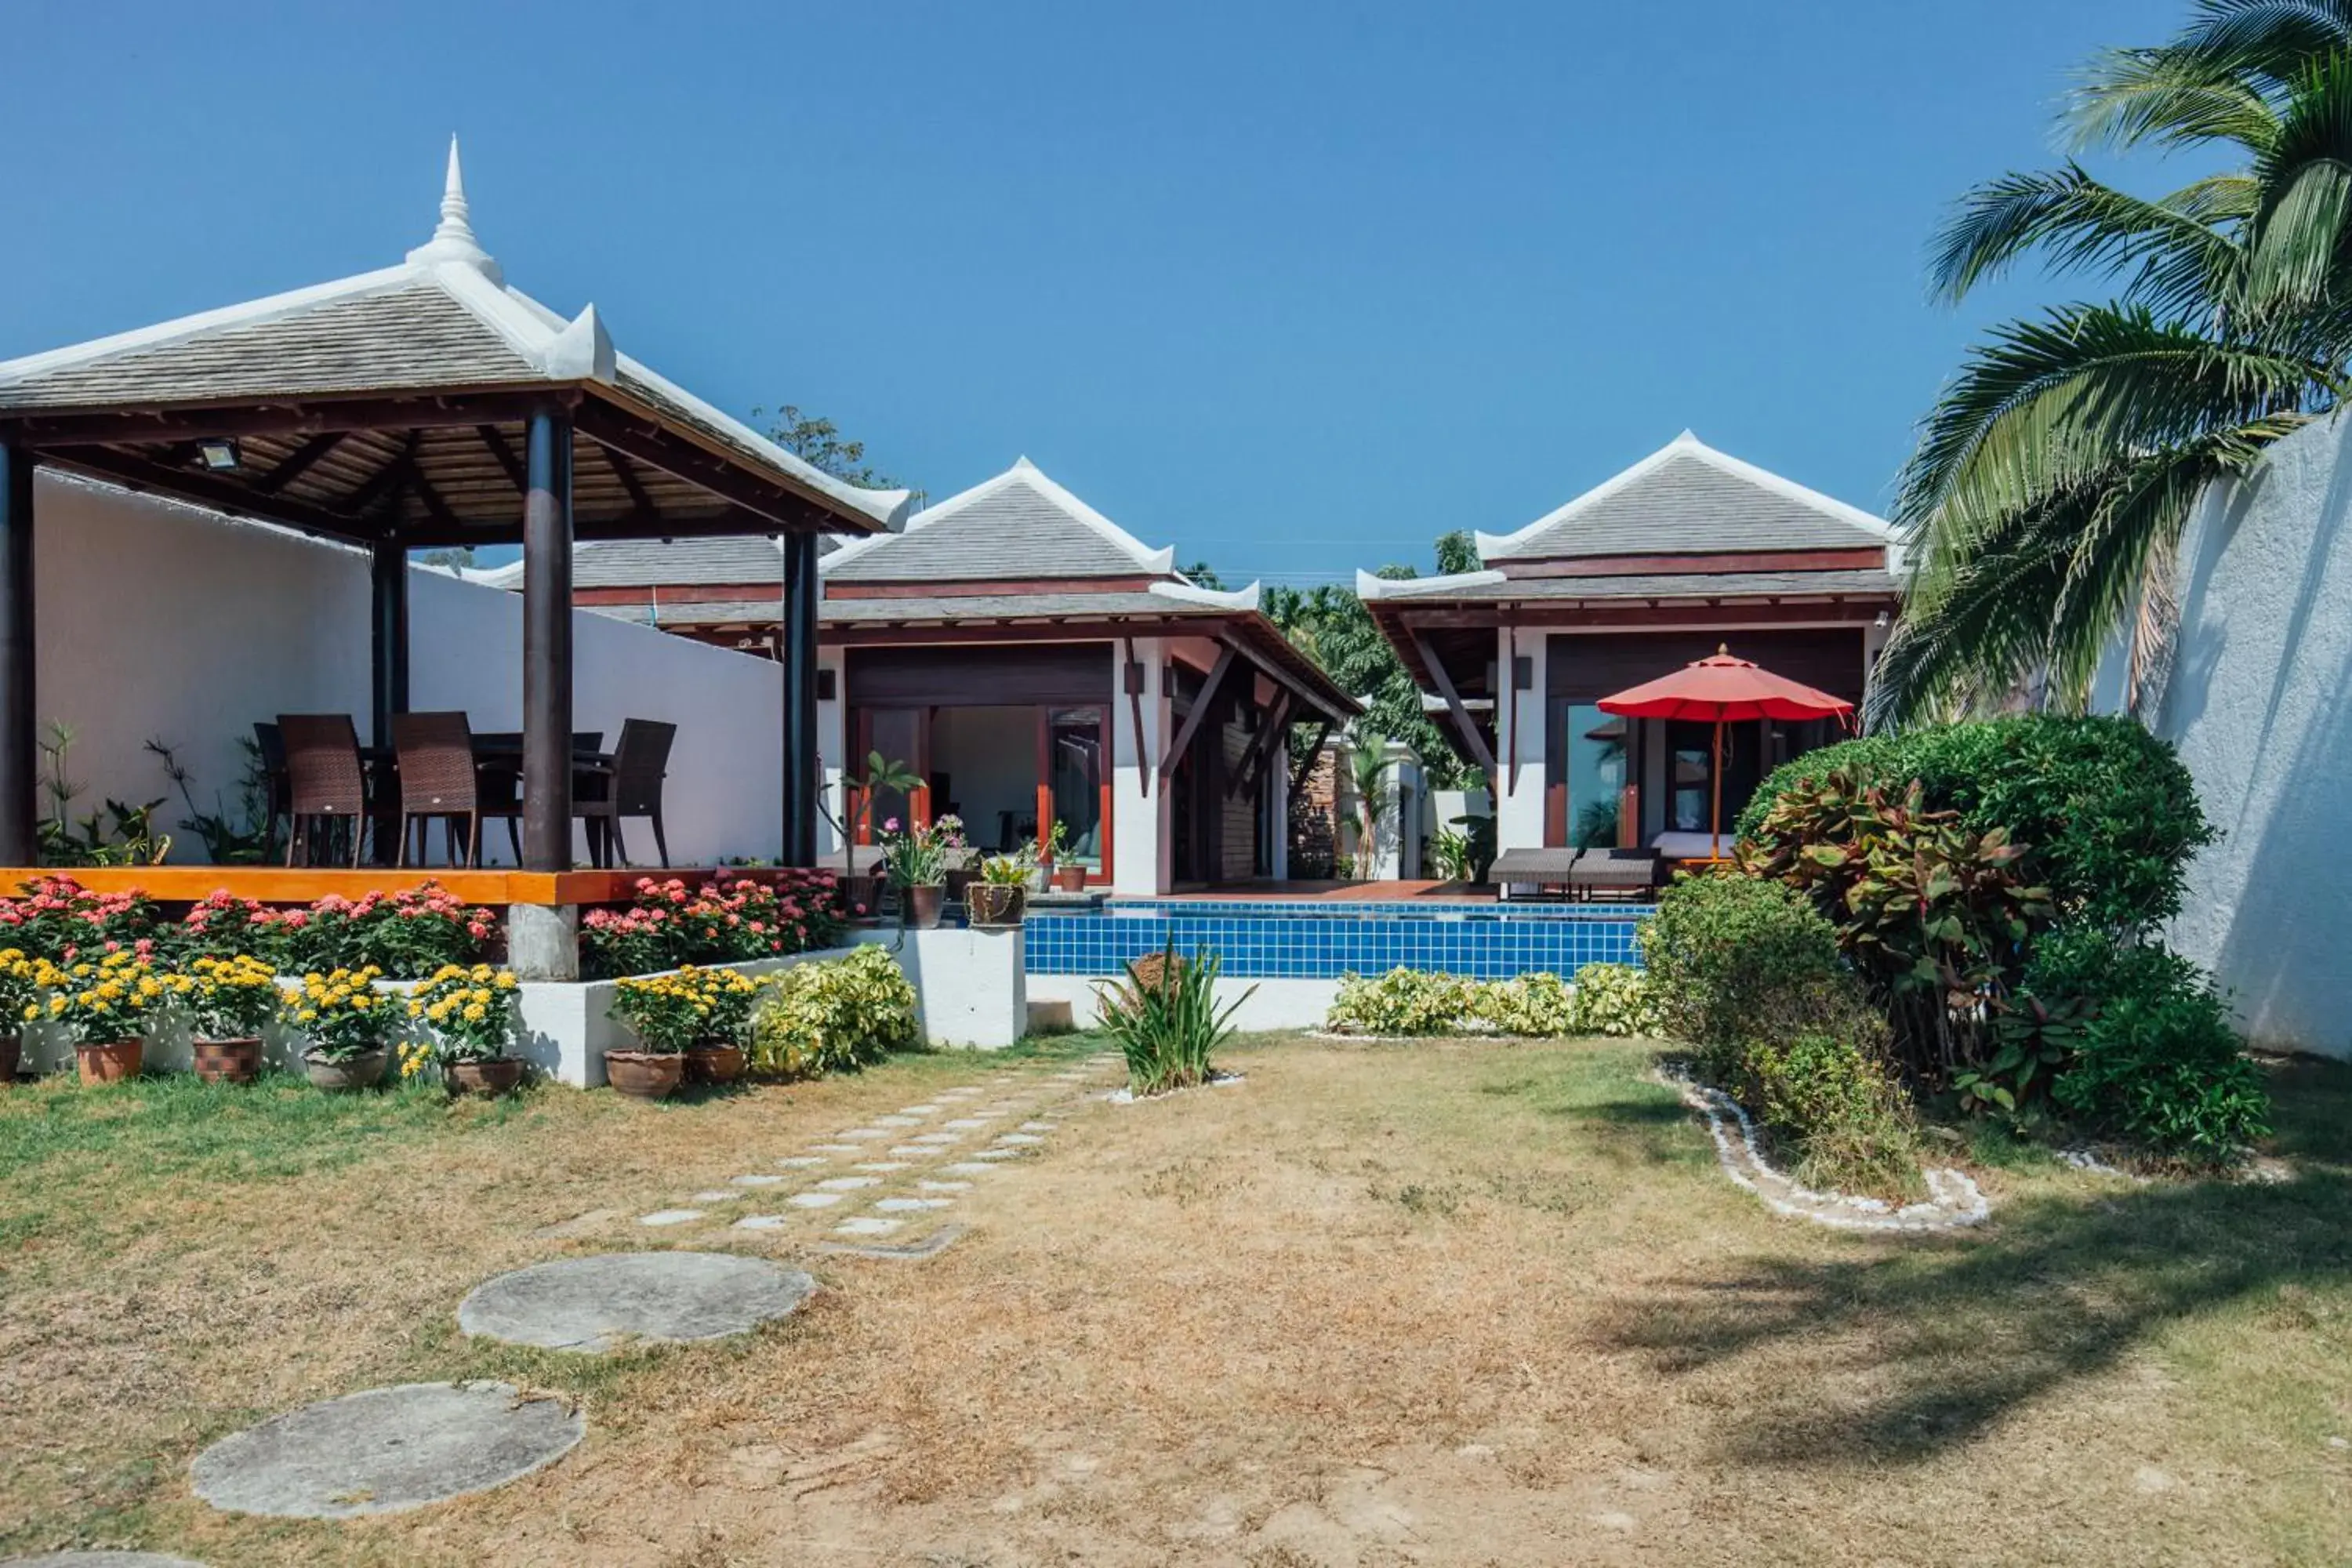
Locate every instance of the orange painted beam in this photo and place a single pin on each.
(307, 884)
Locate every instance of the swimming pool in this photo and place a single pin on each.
(1276, 938)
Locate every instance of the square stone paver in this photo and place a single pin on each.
(897, 1121)
(968, 1168)
(754, 1181)
(715, 1195)
(1039, 1126)
(865, 1224)
(763, 1222)
(814, 1200)
(847, 1184)
(801, 1162)
(936, 1138)
(669, 1216)
(914, 1150)
(863, 1135)
(879, 1166)
(837, 1148)
(1020, 1138)
(944, 1186)
(967, 1123)
(910, 1205)
(918, 1110)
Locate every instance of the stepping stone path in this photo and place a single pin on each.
(102, 1560)
(597, 1304)
(903, 1176)
(385, 1450)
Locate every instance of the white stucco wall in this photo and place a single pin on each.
(1519, 811)
(1140, 842)
(2259, 702)
(162, 620)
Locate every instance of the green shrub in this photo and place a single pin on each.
(1934, 915)
(834, 1015)
(1402, 1002)
(1830, 1101)
(2154, 1060)
(1615, 999)
(1538, 1004)
(2110, 813)
(1725, 953)
(1165, 1020)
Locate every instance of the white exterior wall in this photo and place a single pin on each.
(1071, 1000)
(2259, 702)
(162, 620)
(1140, 842)
(1519, 813)
(833, 760)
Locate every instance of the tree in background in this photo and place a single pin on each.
(455, 558)
(2053, 478)
(1205, 575)
(818, 442)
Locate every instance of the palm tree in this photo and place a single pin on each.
(2054, 475)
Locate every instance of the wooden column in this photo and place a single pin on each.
(20, 754)
(797, 652)
(387, 636)
(547, 645)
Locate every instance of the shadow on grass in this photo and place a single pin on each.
(1961, 1331)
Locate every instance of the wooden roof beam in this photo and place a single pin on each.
(210, 489)
(299, 462)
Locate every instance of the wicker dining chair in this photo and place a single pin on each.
(437, 779)
(632, 788)
(325, 783)
(498, 783)
(277, 789)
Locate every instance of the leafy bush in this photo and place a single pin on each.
(1728, 956)
(1166, 1022)
(1934, 915)
(1616, 999)
(685, 1008)
(834, 1016)
(669, 923)
(2153, 1058)
(2111, 813)
(405, 935)
(1401, 1002)
(1830, 1099)
(1537, 1003)
(57, 919)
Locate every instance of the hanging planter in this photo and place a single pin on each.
(996, 906)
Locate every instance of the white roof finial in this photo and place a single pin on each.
(453, 237)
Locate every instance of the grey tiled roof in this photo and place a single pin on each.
(1017, 533)
(1011, 606)
(1689, 505)
(661, 562)
(413, 336)
(1679, 585)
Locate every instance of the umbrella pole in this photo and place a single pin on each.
(1714, 816)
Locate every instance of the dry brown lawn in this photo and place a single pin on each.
(1450, 1303)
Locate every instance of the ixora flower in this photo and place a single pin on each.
(692, 1006)
(343, 1013)
(108, 999)
(225, 998)
(468, 1014)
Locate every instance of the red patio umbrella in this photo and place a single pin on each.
(1721, 689)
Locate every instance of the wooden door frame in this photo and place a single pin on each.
(1104, 771)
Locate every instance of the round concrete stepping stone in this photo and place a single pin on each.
(385, 1450)
(763, 1222)
(669, 1216)
(879, 1166)
(801, 1162)
(910, 1205)
(847, 1184)
(596, 1304)
(814, 1200)
(761, 1180)
(943, 1187)
(102, 1560)
(864, 1225)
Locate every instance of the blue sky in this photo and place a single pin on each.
(1295, 288)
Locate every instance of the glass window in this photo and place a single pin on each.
(1596, 775)
(1074, 748)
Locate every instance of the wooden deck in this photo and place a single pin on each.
(307, 884)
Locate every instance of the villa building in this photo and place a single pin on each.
(1686, 550)
(1032, 663)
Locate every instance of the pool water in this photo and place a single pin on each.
(1284, 940)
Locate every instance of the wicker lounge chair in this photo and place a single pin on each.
(1537, 869)
(1579, 873)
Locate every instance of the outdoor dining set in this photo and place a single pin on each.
(330, 792)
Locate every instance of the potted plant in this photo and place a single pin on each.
(667, 1013)
(1001, 896)
(103, 1006)
(469, 1017)
(20, 1004)
(350, 1026)
(717, 1056)
(916, 860)
(1069, 876)
(227, 1002)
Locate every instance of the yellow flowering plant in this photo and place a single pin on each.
(687, 1007)
(343, 1013)
(20, 990)
(224, 998)
(467, 1014)
(106, 998)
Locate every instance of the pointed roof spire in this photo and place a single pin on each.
(453, 237)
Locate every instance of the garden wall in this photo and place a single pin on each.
(2259, 700)
(160, 620)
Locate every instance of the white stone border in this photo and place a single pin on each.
(1127, 1096)
(1954, 1201)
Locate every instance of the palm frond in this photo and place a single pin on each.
(2167, 98)
(2299, 235)
(2175, 251)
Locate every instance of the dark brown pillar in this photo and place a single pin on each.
(547, 645)
(387, 636)
(20, 754)
(797, 650)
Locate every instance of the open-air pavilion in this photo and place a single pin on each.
(424, 405)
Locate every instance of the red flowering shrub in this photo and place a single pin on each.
(408, 934)
(669, 923)
(57, 919)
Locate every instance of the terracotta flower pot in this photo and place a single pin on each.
(492, 1077)
(995, 906)
(1070, 878)
(349, 1075)
(236, 1060)
(861, 897)
(110, 1061)
(12, 1050)
(923, 906)
(643, 1075)
(714, 1063)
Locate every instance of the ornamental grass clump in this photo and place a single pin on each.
(343, 1015)
(838, 1016)
(466, 1013)
(1165, 1020)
